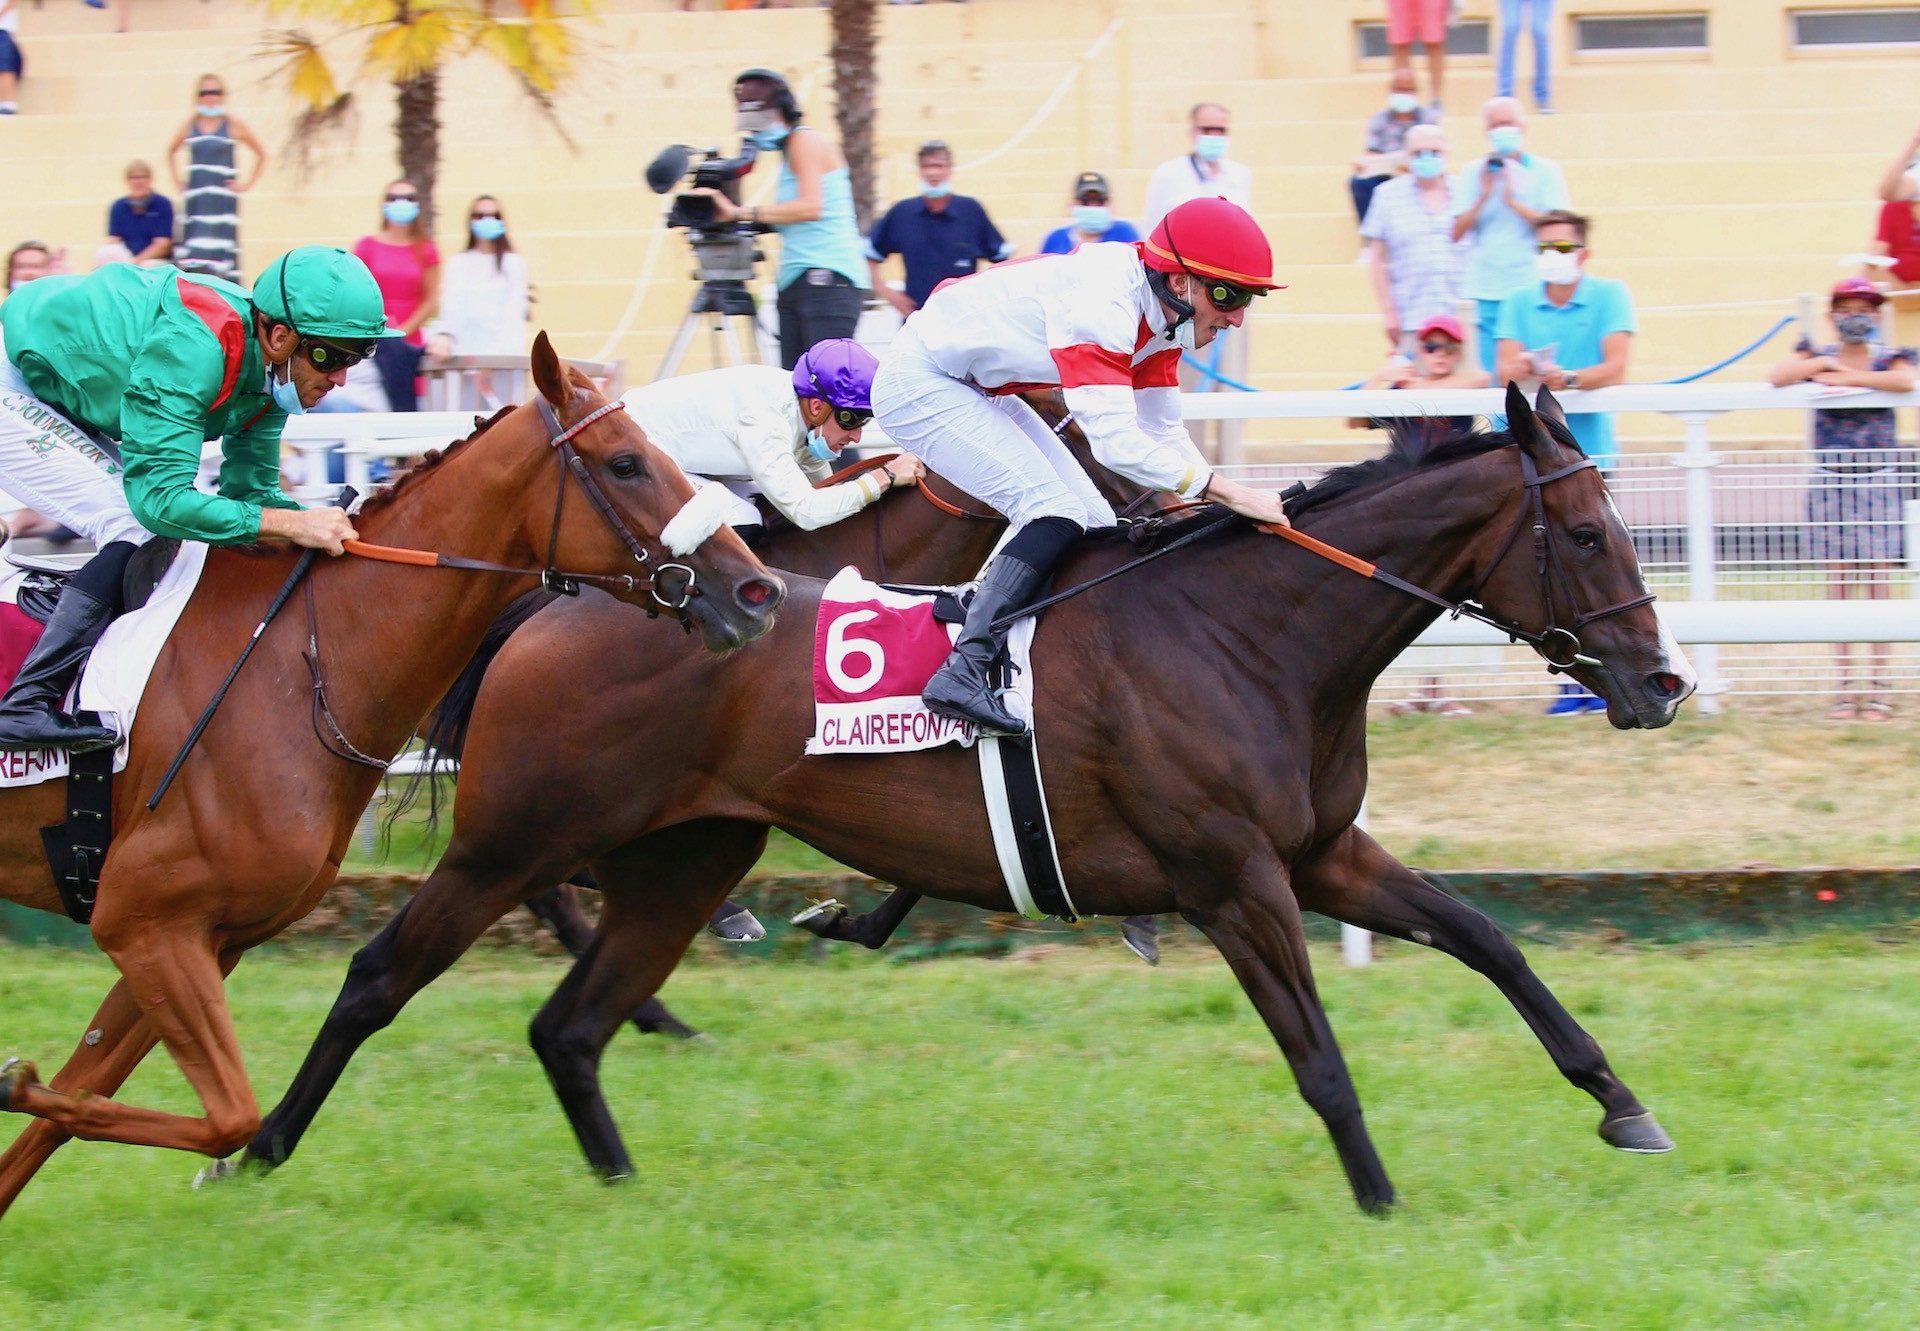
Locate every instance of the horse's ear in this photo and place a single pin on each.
(1545, 404)
(549, 375)
(1525, 427)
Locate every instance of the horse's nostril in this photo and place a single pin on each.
(1663, 683)
(758, 592)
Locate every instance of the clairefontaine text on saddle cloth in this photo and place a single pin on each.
(873, 651)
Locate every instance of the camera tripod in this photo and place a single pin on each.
(724, 266)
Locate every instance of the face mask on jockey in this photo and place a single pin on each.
(818, 448)
(286, 393)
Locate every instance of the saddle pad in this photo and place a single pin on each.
(116, 673)
(874, 649)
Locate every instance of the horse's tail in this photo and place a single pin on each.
(445, 733)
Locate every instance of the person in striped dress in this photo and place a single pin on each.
(210, 193)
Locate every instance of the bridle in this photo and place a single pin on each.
(670, 586)
(1558, 645)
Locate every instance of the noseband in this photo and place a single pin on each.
(671, 586)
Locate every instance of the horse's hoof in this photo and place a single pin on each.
(735, 924)
(820, 917)
(15, 1076)
(1143, 943)
(1639, 1133)
(218, 1170)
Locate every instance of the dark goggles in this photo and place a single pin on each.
(850, 419)
(333, 357)
(1227, 297)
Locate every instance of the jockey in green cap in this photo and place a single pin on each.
(162, 361)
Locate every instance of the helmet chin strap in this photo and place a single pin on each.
(1162, 286)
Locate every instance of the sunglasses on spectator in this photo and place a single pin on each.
(1560, 246)
(1434, 347)
(212, 92)
(332, 357)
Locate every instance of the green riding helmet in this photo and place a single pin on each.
(320, 291)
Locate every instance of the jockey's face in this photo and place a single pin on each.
(1208, 318)
(280, 345)
(819, 416)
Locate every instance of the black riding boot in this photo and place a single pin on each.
(960, 690)
(30, 715)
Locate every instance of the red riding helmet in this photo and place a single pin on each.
(1212, 238)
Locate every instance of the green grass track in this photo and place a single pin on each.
(1055, 1141)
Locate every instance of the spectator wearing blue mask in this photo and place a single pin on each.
(1386, 153)
(1497, 201)
(1092, 218)
(939, 235)
(1205, 172)
(1410, 247)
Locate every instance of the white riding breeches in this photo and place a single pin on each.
(997, 449)
(49, 464)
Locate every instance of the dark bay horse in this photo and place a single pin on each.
(1202, 735)
(254, 830)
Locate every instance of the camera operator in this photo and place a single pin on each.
(1497, 201)
(823, 262)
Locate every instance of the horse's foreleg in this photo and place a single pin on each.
(560, 910)
(112, 1048)
(656, 895)
(872, 930)
(1259, 933)
(430, 933)
(1357, 882)
(179, 988)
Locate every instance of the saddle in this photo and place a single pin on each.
(47, 576)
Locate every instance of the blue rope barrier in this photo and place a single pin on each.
(1741, 354)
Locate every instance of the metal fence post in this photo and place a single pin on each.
(1698, 459)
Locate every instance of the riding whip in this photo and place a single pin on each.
(300, 568)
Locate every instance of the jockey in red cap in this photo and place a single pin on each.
(1106, 325)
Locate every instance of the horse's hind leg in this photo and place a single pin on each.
(830, 920)
(179, 986)
(455, 906)
(1259, 933)
(1357, 882)
(560, 910)
(656, 895)
(115, 1043)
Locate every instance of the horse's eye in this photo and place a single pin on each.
(626, 466)
(1587, 539)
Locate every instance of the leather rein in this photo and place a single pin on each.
(671, 586)
(1559, 646)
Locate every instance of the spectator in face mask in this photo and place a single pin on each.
(1206, 172)
(938, 235)
(1386, 154)
(1092, 218)
(1409, 230)
(1497, 199)
(1854, 501)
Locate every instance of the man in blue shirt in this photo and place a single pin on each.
(1568, 330)
(143, 221)
(938, 235)
(1496, 201)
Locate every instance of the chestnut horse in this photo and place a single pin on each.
(1202, 733)
(255, 828)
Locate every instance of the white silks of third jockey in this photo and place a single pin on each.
(755, 429)
(1106, 325)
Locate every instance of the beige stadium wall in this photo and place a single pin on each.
(1724, 184)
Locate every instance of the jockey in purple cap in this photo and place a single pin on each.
(753, 430)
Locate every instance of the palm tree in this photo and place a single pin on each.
(406, 43)
(856, 31)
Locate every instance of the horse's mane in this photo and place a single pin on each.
(1408, 451)
(429, 460)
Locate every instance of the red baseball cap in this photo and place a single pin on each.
(1858, 288)
(1443, 323)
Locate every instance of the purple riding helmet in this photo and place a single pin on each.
(839, 372)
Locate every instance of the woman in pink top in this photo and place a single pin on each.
(406, 264)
